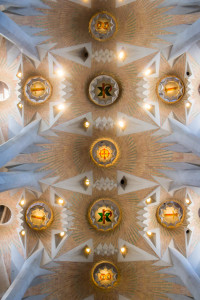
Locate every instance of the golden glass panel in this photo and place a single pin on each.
(104, 214)
(104, 152)
(102, 26)
(170, 214)
(39, 215)
(105, 275)
(170, 89)
(38, 89)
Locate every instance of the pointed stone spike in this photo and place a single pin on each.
(83, 3)
(76, 125)
(124, 2)
(133, 53)
(57, 242)
(77, 254)
(77, 53)
(134, 183)
(153, 66)
(133, 125)
(134, 253)
(76, 184)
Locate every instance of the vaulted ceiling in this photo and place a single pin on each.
(88, 188)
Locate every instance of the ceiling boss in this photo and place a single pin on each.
(104, 214)
(104, 152)
(105, 275)
(37, 90)
(103, 90)
(170, 89)
(170, 214)
(39, 215)
(102, 26)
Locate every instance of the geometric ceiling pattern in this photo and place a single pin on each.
(99, 201)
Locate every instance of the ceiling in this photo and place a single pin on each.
(46, 148)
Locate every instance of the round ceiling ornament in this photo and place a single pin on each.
(170, 214)
(39, 215)
(102, 26)
(105, 275)
(103, 90)
(37, 90)
(104, 152)
(104, 215)
(170, 89)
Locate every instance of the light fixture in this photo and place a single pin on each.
(187, 201)
(187, 104)
(148, 200)
(123, 250)
(23, 232)
(61, 106)
(60, 72)
(60, 201)
(62, 233)
(121, 124)
(19, 74)
(87, 250)
(121, 55)
(87, 181)
(147, 72)
(86, 124)
(147, 106)
(22, 202)
(20, 105)
(149, 233)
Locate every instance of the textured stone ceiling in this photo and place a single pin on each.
(45, 150)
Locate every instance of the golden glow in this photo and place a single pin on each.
(19, 74)
(148, 200)
(187, 104)
(87, 250)
(86, 124)
(22, 202)
(149, 233)
(60, 72)
(20, 105)
(187, 201)
(61, 106)
(60, 201)
(87, 182)
(123, 250)
(147, 72)
(23, 232)
(121, 55)
(62, 233)
(147, 106)
(121, 124)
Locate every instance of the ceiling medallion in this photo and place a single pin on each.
(105, 274)
(37, 90)
(39, 215)
(103, 90)
(104, 152)
(170, 89)
(102, 26)
(170, 214)
(104, 214)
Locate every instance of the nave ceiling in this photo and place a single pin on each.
(99, 149)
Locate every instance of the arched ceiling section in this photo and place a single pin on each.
(100, 195)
